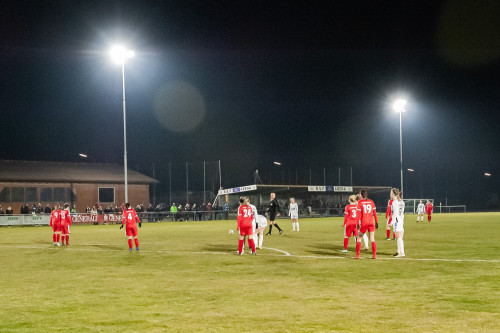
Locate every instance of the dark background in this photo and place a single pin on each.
(306, 83)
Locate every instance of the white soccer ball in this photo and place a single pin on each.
(231, 232)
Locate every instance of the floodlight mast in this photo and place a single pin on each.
(119, 54)
(400, 106)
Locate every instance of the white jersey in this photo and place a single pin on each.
(261, 221)
(420, 208)
(398, 215)
(294, 211)
(255, 215)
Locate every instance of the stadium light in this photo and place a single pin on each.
(277, 163)
(411, 170)
(399, 106)
(119, 54)
(487, 174)
(82, 155)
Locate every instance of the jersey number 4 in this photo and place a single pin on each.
(247, 212)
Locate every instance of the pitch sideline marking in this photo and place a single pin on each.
(286, 254)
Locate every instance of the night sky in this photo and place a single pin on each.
(306, 83)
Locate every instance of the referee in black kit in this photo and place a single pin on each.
(272, 213)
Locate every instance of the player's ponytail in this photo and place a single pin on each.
(396, 193)
(352, 198)
(363, 194)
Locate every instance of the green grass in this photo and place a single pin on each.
(187, 278)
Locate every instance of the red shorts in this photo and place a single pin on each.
(429, 213)
(131, 231)
(65, 229)
(246, 231)
(351, 229)
(56, 227)
(365, 227)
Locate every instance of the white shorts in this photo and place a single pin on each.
(420, 213)
(398, 225)
(294, 216)
(261, 221)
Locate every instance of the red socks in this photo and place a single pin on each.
(429, 218)
(251, 244)
(136, 242)
(374, 249)
(62, 239)
(388, 233)
(130, 243)
(346, 243)
(54, 238)
(58, 237)
(67, 239)
(240, 246)
(358, 249)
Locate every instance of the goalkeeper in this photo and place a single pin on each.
(130, 220)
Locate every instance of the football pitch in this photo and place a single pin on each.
(187, 278)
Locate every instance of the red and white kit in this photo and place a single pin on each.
(351, 220)
(428, 209)
(130, 219)
(367, 215)
(245, 220)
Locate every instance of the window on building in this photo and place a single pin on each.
(106, 194)
(31, 194)
(59, 194)
(46, 194)
(5, 194)
(17, 194)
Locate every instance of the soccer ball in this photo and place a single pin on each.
(231, 232)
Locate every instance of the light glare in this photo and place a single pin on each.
(487, 174)
(411, 170)
(119, 54)
(399, 105)
(277, 163)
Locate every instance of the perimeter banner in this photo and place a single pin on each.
(238, 189)
(329, 188)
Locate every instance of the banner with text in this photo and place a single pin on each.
(329, 188)
(238, 189)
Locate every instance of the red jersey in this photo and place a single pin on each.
(388, 212)
(55, 218)
(245, 216)
(65, 217)
(351, 215)
(130, 217)
(429, 207)
(367, 211)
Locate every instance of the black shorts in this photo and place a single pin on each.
(272, 217)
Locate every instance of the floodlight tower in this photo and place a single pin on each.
(400, 106)
(119, 54)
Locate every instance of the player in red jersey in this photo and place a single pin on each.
(351, 219)
(428, 209)
(65, 224)
(55, 223)
(367, 212)
(130, 220)
(245, 225)
(388, 217)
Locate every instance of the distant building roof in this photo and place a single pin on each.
(38, 171)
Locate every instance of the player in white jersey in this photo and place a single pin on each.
(259, 232)
(293, 212)
(420, 211)
(398, 211)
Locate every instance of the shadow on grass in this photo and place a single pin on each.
(226, 248)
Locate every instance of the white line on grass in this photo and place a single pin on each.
(286, 254)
